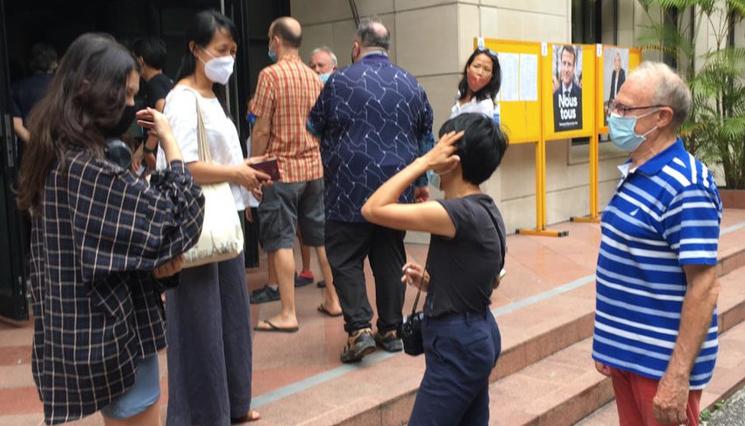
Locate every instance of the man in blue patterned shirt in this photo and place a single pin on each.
(372, 118)
(655, 320)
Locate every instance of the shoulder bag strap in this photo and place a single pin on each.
(203, 145)
(416, 301)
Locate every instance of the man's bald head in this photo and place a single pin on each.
(372, 33)
(288, 30)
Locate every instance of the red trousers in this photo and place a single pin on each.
(634, 396)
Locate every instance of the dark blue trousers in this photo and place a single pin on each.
(460, 351)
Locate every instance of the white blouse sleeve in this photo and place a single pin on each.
(486, 107)
(181, 111)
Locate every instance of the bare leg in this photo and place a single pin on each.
(330, 299)
(304, 253)
(284, 265)
(271, 274)
(149, 417)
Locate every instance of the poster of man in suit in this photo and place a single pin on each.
(615, 64)
(567, 72)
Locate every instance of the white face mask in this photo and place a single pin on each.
(219, 69)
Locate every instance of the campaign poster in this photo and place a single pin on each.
(567, 84)
(615, 65)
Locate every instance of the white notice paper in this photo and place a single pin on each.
(528, 77)
(509, 63)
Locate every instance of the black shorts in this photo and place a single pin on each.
(287, 205)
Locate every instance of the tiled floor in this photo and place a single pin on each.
(534, 265)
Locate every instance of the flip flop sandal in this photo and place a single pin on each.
(274, 329)
(322, 309)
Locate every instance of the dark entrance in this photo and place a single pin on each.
(12, 283)
(23, 23)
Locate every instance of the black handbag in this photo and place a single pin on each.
(411, 330)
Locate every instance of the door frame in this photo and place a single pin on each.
(13, 302)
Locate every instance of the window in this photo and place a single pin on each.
(593, 21)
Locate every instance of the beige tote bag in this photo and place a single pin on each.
(222, 235)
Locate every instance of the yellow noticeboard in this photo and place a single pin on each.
(613, 65)
(568, 78)
(519, 95)
(553, 91)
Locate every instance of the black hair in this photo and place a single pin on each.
(370, 34)
(43, 58)
(86, 96)
(289, 38)
(152, 50)
(481, 148)
(201, 31)
(492, 88)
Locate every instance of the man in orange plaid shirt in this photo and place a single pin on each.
(285, 93)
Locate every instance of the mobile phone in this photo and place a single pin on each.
(270, 167)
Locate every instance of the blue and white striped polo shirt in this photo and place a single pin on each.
(664, 215)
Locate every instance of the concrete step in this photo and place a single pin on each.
(545, 305)
(563, 388)
(541, 338)
(729, 376)
(533, 331)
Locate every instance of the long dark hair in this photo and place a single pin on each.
(490, 90)
(86, 96)
(201, 31)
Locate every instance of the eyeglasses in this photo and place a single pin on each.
(616, 107)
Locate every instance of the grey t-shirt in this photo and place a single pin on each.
(463, 269)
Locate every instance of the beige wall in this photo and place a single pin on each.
(432, 39)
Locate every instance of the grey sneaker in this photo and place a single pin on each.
(265, 294)
(389, 341)
(360, 344)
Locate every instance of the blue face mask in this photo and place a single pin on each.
(324, 77)
(434, 179)
(622, 133)
(272, 55)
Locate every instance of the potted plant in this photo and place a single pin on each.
(715, 131)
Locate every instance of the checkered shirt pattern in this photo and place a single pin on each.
(287, 91)
(96, 236)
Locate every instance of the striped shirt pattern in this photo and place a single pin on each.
(287, 91)
(663, 216)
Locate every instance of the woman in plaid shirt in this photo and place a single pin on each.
(101, 238)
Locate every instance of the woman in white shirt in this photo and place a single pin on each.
(480, 83)
(209, 335)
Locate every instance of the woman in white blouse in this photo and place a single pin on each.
(480, 83)
(209, 335)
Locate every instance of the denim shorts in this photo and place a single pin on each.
(144, 393)
(284, 207)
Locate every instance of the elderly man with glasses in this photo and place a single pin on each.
(656, 324)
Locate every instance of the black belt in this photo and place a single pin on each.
(455, 316)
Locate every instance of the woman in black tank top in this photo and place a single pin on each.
(466, 253)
